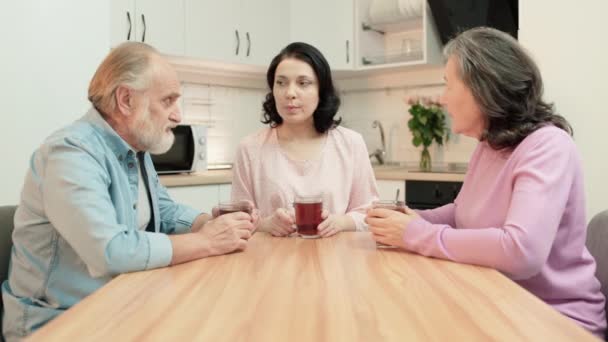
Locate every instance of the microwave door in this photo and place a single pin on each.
(181, 156)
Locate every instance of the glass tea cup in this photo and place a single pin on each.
(309, 211)
(234, 206)
(390, 205)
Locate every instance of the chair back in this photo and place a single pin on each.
(597, 243)
(7, 215)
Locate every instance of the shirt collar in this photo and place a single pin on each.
(120, 147)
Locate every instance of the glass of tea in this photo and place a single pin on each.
(308, 215)
(391, 205)
(233, 207)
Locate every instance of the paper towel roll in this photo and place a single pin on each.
(390, 11)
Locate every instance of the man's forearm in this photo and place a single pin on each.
(188, 247)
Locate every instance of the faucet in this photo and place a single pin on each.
(380, 154)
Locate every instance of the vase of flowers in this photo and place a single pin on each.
(427, 124)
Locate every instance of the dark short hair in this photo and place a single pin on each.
(506, 85)
(329, 101)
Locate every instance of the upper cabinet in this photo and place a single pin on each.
(327, 25)
(394, 33)
(237, 31)
(156, 22)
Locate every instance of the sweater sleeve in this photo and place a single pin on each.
(443, 215)
(364, 189)
(542, 177)
(242, 184)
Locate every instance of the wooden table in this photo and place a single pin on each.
(335, 289)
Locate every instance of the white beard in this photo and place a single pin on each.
(152, 138)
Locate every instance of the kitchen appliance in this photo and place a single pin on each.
(188, 152)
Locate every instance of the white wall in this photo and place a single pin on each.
(569, 40)
(50, 50)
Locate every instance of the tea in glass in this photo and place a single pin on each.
(391, 205)
(233, 207)
(308, 215)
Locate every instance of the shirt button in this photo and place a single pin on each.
(130, 153)
(131, 165)
(134, 206)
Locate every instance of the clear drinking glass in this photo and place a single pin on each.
(391, 205)
(233, 207)
(309, 211)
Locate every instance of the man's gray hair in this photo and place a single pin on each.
(506, 84)
(129, 65)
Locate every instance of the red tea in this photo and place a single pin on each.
(308, 218)
(233, 207)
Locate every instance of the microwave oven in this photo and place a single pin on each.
(188, 152)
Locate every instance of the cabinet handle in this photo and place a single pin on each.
(438, 193)
(130, 25)
(347, 51)
(248, 43)
(143, 35)
(238, 42)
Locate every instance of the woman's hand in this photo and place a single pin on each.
(280, 223)
(334, 223)
(389, 226)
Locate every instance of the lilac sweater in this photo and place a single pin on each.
(522, 213)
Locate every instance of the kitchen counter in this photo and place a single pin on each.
(382, 173)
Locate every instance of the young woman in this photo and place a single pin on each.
(304, 151)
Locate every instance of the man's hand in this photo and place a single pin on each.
(227, 233)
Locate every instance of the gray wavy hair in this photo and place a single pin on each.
(128, 64)
(506, 84)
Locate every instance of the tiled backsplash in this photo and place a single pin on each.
(232, 113)
(360, 109)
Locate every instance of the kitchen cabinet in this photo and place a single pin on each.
(388, 188)
(155, 22)
(386, 39)
(232, 31)
(201, 197)
(430, 194)
(327, 25)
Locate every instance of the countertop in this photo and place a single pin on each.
(382, 173)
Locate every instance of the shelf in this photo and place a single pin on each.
(411, 24)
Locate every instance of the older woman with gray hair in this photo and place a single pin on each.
(521, 209)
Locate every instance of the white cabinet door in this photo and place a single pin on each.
(225, 192)
(327, 25)
(160, 23)
(388, 188)
(264, 38)
(201, 197)
(122, 21)
(212, 30)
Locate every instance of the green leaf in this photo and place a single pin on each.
(417, 141)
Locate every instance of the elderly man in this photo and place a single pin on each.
(92, 206)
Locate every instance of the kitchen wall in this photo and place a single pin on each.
(50, 50)
(569, 43)
(232, 113)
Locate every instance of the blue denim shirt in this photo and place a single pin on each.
(76, 225)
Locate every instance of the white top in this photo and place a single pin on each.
(264, 174)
